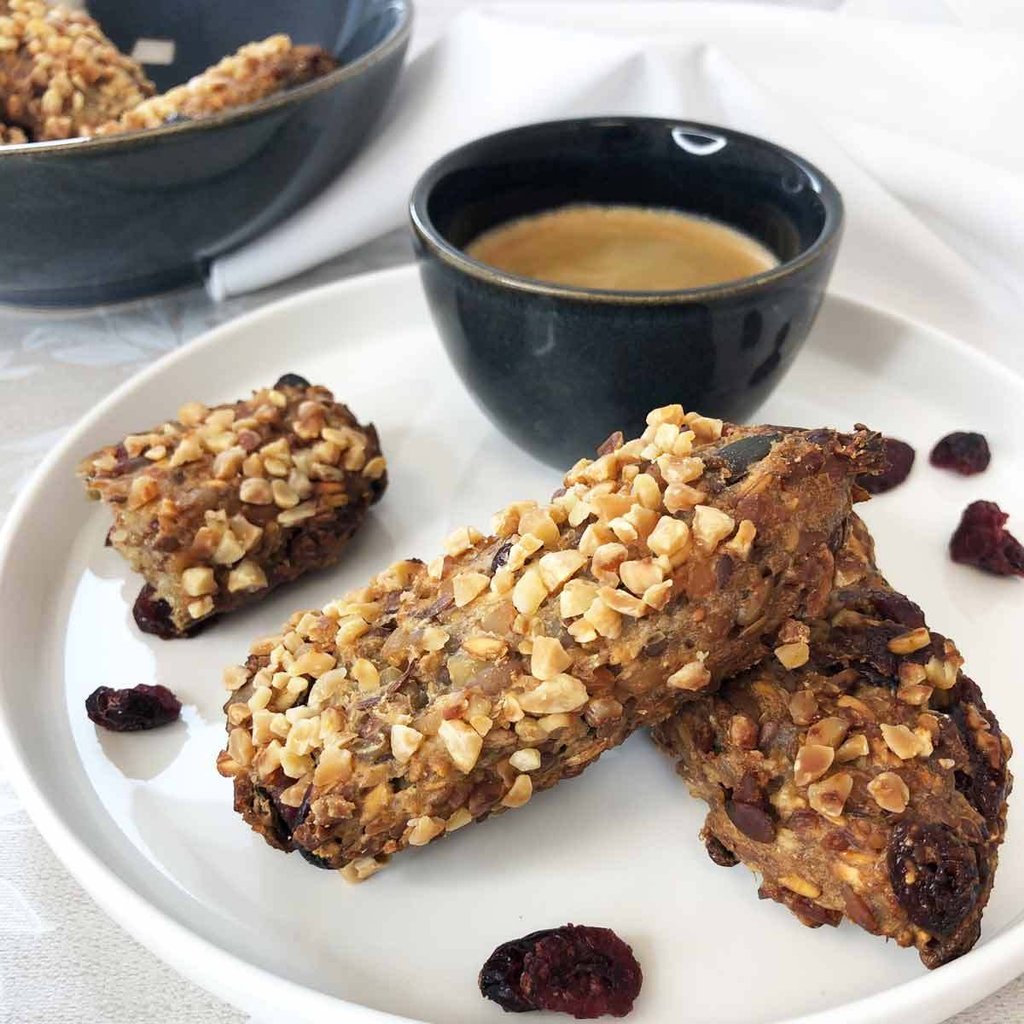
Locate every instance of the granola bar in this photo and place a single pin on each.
(255, 71)
(60, 76)
(858, 771)
(446, 692)
(222, 505)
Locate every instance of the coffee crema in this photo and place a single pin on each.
(622, 248)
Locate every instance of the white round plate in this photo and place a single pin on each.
(146, 825)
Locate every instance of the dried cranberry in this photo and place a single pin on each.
(152, 615)
(899, 457)
(291, 380)
(579, 970)
(934, 875)
(963, 452)
(719, 853)
(982, 540)
(134, 709)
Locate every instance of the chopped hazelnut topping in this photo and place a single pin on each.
(360, 869)
(248, 576)
(312, 663)
(670, 537)
(740, 545)
(812, 761)
(235, 677)
(907, 643)
(423, 829)
(404, 742)
(624, 603)
(828, 797)
(793, 655)
(462, 742)
(256, 491)
(659, 595)
(890, 792)
(593, 537)
(458, 819)
(467, 586)
(582, 631)
(365, 673)
(188, 450)
(665, 414)
(800, 886)
(525, 760)
(683, 497)
(901, 741)
(561, 693)
(461, 540)
(434, 638)
(200, 607)
(198, 581)
(557, 567)
(576, 597)
(602, 618)
(710, 527)
(537, 522)
(942, 672)
(606, 561)
(520, 793)
(693, 676)
(549, 658)
(646, 491)
(481, 723)
(374, 469)
(529, 592)
(487, 648)
(803, 706)
(829, 732)
(640, 575)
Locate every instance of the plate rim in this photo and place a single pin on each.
(227, 975)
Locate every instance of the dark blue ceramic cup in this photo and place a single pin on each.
(558, 368)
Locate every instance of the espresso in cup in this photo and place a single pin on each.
(622, 248)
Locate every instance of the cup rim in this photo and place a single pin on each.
(430, 236)
(395, 39)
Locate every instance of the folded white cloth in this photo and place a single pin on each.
(916, 123)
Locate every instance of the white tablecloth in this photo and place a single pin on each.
(61, 960)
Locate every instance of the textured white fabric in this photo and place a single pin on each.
(62, 961)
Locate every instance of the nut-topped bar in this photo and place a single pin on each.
(857, 771)
(444, 692)
(220, 506)
(60, 76)
(255, 71)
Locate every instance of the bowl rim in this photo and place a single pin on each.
(426, 231)
(396, 39)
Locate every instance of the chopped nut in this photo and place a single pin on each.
(828, 797)
(854, 747)
(247, 576)
(606, 561)
(360, 869)
(646, 491)
(800, 886)
(188, 450)
(462, 742)
(520, 793)
(683, 497)
(741, 544)
(624, 603)
(457, 819)
(525, 760)
(229, 550)
(467, 586)
(710, 527)
(582, 631)
(423, 829)
(743, 732)
(557, 567)
(942, 673)
(529, 592)
(374, 469)
(235, 677)
(461, 540)
(671, 537)
(901, 741)
(640, 575)
(829, 732)
(434, 638)
(198, 581)
(481, 723)
(561, 693)
(201, 607)
(291, 516)
(603, 618)
(549, 658)
(256, 491)
(537, 522)
(812, 761)
(593, 537)
(552, 723)
(665, 414)
(659, 595)
(693, 676)
(485, 647)
(365, 673)
(793, 655)
(907, 643)
(312, 663)
(890, 792)
(404, 742)
(803, 706)
(576, 597)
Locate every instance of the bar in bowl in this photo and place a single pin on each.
(219, 507)
(446, 692)
(858, 771)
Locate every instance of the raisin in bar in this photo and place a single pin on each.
(446, 692)
(60, 76)
(857, 771)
(216, 509)
(257, 70)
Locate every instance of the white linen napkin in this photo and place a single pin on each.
(917, 125)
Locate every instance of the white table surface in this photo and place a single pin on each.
(62, 961)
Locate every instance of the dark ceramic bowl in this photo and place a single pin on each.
(97, 220)
(559, 368)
